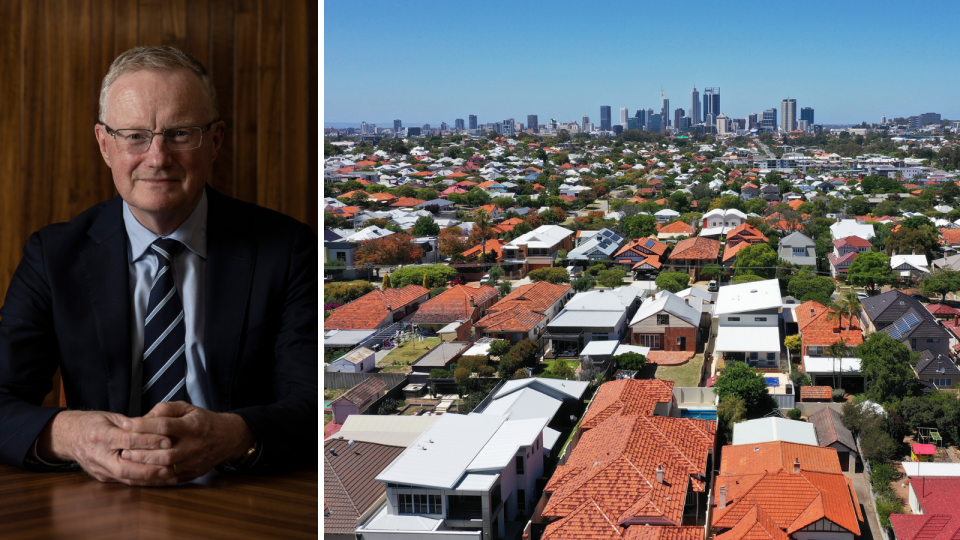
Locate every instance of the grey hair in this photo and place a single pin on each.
(163, 58)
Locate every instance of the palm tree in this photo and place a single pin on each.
(848, 304)
(482, 222)
(838, 350)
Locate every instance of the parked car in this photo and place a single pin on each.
(712, 286)
(457, 281)
(572, 270)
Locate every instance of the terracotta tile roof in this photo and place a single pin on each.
(669, 358)
(637, 247)
(457, 175)
(346, 211)
(453, 304)
(841, 263)
(761, 475)
(815, 392)
(489, 208)
(349, 487)
(424, 174)
(589, 520)
(677, 227)
(383, 197)
(697, 248)
(631, 396)
(854, 241)
(663, 533)
(366, 163)
(942, 310)
(941, 518)
(486, 184)
(651, 260)
(754, 525)
(364, 394)
(407, 201)
(494, 245)
(731, 251)
(514, 319)
(371, 309)
(817, 329)
(950, 236)
(796, 203)
(745, 233)
(538, 297)
(507, 225)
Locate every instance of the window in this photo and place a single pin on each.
(771, 356)
(801, 251)
(649, 340)
(760, 319)
(521, 501)
(941, 382)
(419, 503)
(733, 319)
(405, 501)
(754, 356)
(934, 340)
(495, 497)
(815, 350)
(519, 464)
(663, 319)
(913, 344)
(341, 255)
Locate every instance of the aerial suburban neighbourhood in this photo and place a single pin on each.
(682, 326)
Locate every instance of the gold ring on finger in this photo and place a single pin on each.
(174, 469)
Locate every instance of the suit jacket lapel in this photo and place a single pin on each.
(231, 259)
(106, 267)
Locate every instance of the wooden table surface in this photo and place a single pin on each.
(74, 505)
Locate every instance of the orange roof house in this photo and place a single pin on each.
(692, 254)
(632, 470)
(519, 314)
(404, 202)
(745, 233)
(950, 237)
(494, 245)
(818, 330)
(641, 254)
(455, 304)
(672, 230)
(377, 308)
(507, 225)
(773, 490)
(383, 197)
(796, 203)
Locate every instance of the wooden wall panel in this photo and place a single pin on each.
(262, 55)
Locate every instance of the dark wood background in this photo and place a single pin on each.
(262, 55)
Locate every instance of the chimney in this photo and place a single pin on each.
(660, 473)
(796, 466)
(894, 253)
(473, 302)
(722, 498)
(812, 311)
(914, 252)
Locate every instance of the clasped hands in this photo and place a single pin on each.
(174, 442)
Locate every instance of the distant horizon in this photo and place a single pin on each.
(849, 61)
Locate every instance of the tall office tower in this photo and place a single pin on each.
(711, 104)
(723, 124)
(930, 118)
(633, 123)
(752, 121)
(768, 120)
(642, 116)
(413, 131)
(695, 106)
(677, 115)
(653, 123)
(458, 124)
(788, 115)
(740, 123)
(806, 113)
(363, 128)
(617, 129)
(533, 123)
(444, 126)
(473, 121)
(664, 113)
(508, 127)
(684, 124)
(883, 119)
(804, 126)
(624, 114)
(397, 125)
(604, 118)
(650, 116)
(583, 122)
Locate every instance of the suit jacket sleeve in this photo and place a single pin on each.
(286, 428)
(29, 356)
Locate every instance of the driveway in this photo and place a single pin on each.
(861, 486)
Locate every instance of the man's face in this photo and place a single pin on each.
(160, 185)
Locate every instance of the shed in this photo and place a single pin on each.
(358, 399)
(833, 434)
(815, 394)
(922, 452)
(773, 429)
(359, 360)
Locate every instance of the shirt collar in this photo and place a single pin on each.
(192, 233)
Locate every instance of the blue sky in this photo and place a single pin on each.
(431, 61)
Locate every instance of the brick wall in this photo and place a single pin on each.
(671, 335)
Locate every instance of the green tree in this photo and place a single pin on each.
(425, 226)
(612, 278)
(550, 275)
(559, 369)
(730, 411)
(746, 278)
(631, 361)
(504, 288)
(346, 292)
(885, 364)
(673, 281)
(477, 197)
(793, 342)
(584, 283)
(837, 350)
(939, 284)
(806, 282)
(495, 274)
(462, 376)
(740, 381)
(499, 348)
(561, 255)
(870, 269)
(711, 271)
(436, 274)
(759, 260)
(637, 226)
(481, 222)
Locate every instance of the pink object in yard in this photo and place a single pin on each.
(924, 450)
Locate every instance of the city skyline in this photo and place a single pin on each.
(846, 65)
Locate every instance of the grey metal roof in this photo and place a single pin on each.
(886, 308)
(441, 355)
(830, 429)
(934, 364)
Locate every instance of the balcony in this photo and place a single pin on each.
(464, 507)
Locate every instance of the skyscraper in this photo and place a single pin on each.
(711, 104)
(650, 116)
(624, 113)
(604, 118)
(768, 120)
(583, 122)
(458, 124)
(664, 112)
(806, 113)
(677, 115)
(533, 125)
(473, 121)
(363, 128)
(633, 123)
(508, 127)
(397, 125)
(788, 115)
(695, 106)
(752, 121)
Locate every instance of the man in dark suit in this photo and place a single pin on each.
(184, 322)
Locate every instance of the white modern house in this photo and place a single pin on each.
(597, 315)
(539, 247)
(746, 322)
(718, 222)
(666, 215)
(912, 265)
(462, 479)
(850, 227)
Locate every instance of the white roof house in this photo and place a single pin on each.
(671, 303)
(545, 236)
(909, 264)
(754, 296)
(719, 222)
(666, 215)
(774, 429)
(850, 227)
(388, 430)
(749, 327)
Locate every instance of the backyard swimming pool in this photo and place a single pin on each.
(702, 414)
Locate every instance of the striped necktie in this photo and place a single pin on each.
(164, 363)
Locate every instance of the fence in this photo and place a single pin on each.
(785, 401)
(333, 379)
(868, 471)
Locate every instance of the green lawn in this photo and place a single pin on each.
(685, 375)
(327, 418)
(333, 393)
(399, 359)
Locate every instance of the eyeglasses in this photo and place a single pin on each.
(136, 141)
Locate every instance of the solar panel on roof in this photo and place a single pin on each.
(649, 243)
